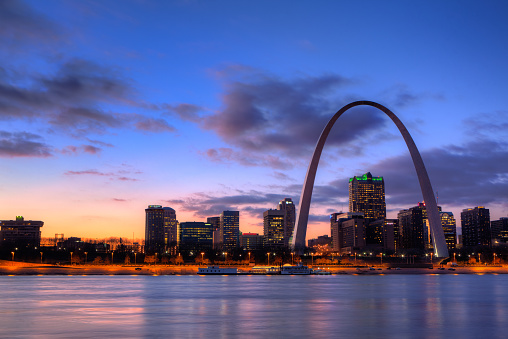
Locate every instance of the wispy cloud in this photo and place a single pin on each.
(23, 144)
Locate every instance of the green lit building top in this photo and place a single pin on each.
(367, 195)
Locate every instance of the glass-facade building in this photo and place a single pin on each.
(230, 230)
(273, 228)
(195, 236)
(367, 195)
(475, 227)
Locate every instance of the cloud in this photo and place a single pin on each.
(23, 144)
(264, 114)
(251, 202)
(154, 125)
(75, 150)
(18, 22)
(111, 175)
(119, 200)
(184, 111)
(228, 155)
(468, 175)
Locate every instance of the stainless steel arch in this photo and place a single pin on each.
(298, 242)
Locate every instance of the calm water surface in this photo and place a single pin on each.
(389, 306)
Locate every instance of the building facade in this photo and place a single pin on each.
(498, 228)
(20, 233)
(348, 231)
(289, 209)
(230, 230)
(155, 237)
(195, 236)
(251, 241)
(215, 222)
(449, 228)
(475, 227)
(273, 229)
(170, 228)
(367, 195)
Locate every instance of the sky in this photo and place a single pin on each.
(107, 107)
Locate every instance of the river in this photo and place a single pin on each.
(341, 306)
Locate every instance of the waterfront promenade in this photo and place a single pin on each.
(22, 268)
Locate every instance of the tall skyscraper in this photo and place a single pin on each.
(273, 229)
(170, 227)
(450, 229)
(230, 229)
(367, 195)
(289, 209)
(475, 227)
(155, 235)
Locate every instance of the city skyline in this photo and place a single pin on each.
(106, 109)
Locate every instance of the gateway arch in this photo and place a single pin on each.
(438, 239)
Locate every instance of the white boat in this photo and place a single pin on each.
(320, 271)
(299, 269)
(216, 270)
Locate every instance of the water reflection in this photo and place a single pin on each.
(419, 306)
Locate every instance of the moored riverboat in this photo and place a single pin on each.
(216, 270)
(299, 269)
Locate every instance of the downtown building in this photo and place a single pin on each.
(289, 209)
(273, 229)
(195, 236)
(20, 233)
(160, 229)
(348, 231)
(499, 230)
(475, 227)
(230, 230)
(251, 241)
(367, 195)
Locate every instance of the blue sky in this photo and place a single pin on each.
(108, 106)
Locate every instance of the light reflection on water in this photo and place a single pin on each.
(415, 306)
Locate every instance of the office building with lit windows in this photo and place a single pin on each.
(155, 235)
(475, 227)
(450, 229)
(289, 209)
(367, 195)
(170, 227)
(230, 230)
(251, 241)
(348, 231)
(195, 236)
(20, 233)
(273, 229)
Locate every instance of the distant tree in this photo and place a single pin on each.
(165, 260)
(150, 259)
(179, 260)
(127, 260)
(98, 261)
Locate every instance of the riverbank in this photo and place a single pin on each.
(21, 268)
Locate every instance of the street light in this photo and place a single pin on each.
(71, 257)
(312, 259)
(292, 258)
(112, 253)
(268, 259)
(202, 254)
(41, 257)
(135, 253)
(249, 258)
(494, 258)
(12, 256)
(86, 257)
